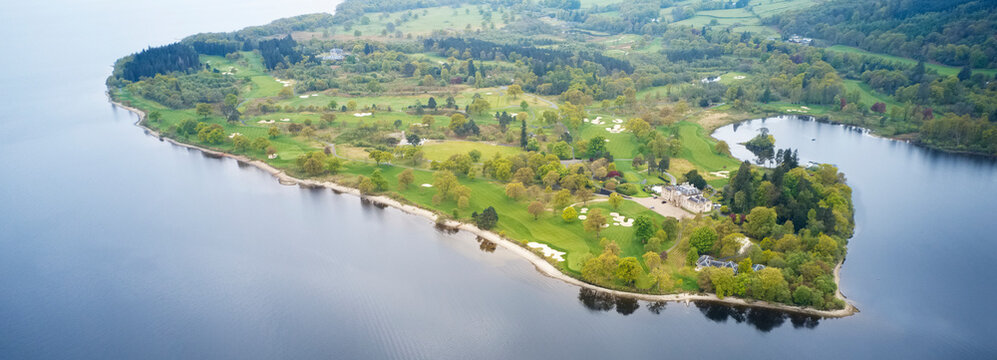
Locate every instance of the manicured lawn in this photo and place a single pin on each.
(870, 96)
(697, 147)
(440, 151)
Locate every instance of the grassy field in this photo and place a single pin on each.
(697, 148)
(941, 69)
(440, 151)
(870, 96)
(746, 19)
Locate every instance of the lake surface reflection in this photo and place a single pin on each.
(117, 245)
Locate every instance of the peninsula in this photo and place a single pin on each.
(576, 136)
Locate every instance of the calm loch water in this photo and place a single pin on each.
(116, 245)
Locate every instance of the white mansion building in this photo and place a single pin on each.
(688, 197)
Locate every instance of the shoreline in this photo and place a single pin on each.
(540, 263)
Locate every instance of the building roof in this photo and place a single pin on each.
(709, 261)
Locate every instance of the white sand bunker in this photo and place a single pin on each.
(607, 140)
(585, 210)
(724, 174)
(362, 114)
(303, 96)
(617, 121)
(740, 77)
(313, 95)
(616, 129)
(232, 135)
(548, 252)
(427, 185)
(582, 217)
(797, 110)
(286, 83)
(285, 120)
(597, 121)
(266, 121)
(272, 156)
(620, 220)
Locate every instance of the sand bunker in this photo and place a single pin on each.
(232, 135)
(427, 185)
(272, 156)
(303, 96)
(362, 114)
(740, 77)
(548, 252)
(616, 129)
(724, 174)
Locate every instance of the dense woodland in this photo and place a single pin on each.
(400, 80)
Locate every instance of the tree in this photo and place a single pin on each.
(549, 117)
(692, 256)
(761, 222)
(535, 208)
(703, 239)
(515, 90)
(479, 106)
(643, 228)
(695, 179)
(723, 281)
(155, 115)
(878, 107)
(487, 219)
(523, 138)
(965, 74)
(431, 103)
(260, 143)
(561, 198)
(475, 155)
(584, 194)
(515, 190)
(596, 147)
(273, 131)
(334, 164)
(380, 183)
(203, 110)
(615, 200)
(413, 139)
(381, 156)
(523, 105)
(652, 260)
(456, 121)
(628, 270)
(405, 178)
(770, 285)
(569, 214)
(312, 163)
(240, 143)
(594, 222)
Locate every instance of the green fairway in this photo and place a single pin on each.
(870, 96)
(697, 148)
